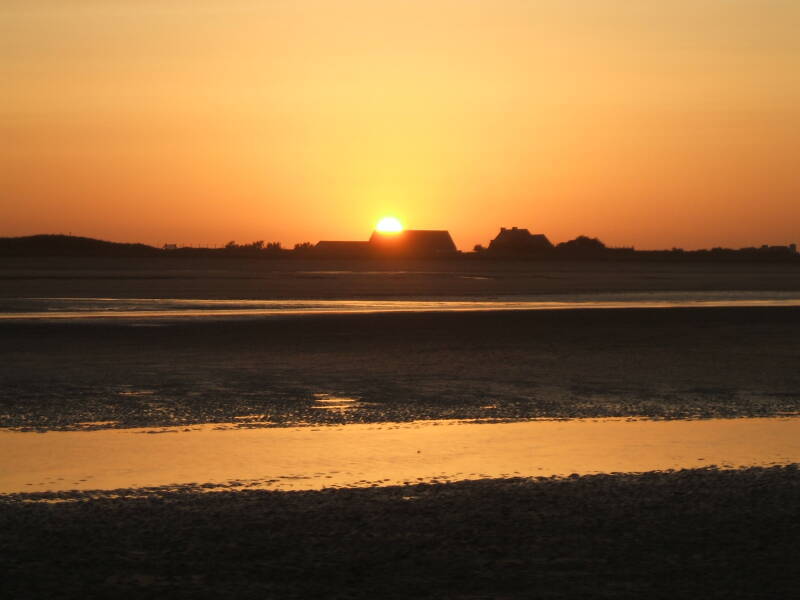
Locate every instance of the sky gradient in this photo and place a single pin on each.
(642, 122)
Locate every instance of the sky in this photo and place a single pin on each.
(646, 123)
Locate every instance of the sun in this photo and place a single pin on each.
(389, 225)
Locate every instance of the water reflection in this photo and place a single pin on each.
(137, 308)
(339, 404)
(226, 456)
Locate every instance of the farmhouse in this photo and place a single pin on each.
(519, 241)
(407, 243)
(413, 242)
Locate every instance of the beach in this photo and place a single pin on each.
(685, 534)
(659, 363)
(237, 278)
(584, 438)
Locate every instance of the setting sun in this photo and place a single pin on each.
(389, 225)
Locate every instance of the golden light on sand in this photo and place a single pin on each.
(389, 225)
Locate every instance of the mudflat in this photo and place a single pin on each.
(661, 363)
(729, 533)
(317, 279)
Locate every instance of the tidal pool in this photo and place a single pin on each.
(305, 458)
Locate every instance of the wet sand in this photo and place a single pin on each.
(700, 533)
(215, 457)
(684, 534)
(369, 279)
(659, 363)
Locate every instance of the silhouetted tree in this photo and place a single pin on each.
(582, 245)
(478, 248)
(303, 246)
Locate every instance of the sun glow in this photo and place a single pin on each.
(389, 225)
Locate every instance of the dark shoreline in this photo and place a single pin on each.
(698, 533)
(657, 363)
(244, 278)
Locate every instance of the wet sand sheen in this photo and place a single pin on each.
(53, 309)
(389, 454)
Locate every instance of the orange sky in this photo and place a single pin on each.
(642, 122)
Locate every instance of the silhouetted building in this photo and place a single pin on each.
(516, 240)
(413, 242)
(416, 243)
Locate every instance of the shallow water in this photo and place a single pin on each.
(161, 308)
(387, 454)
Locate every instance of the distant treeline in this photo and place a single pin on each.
(581, 248)
(589, 248)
